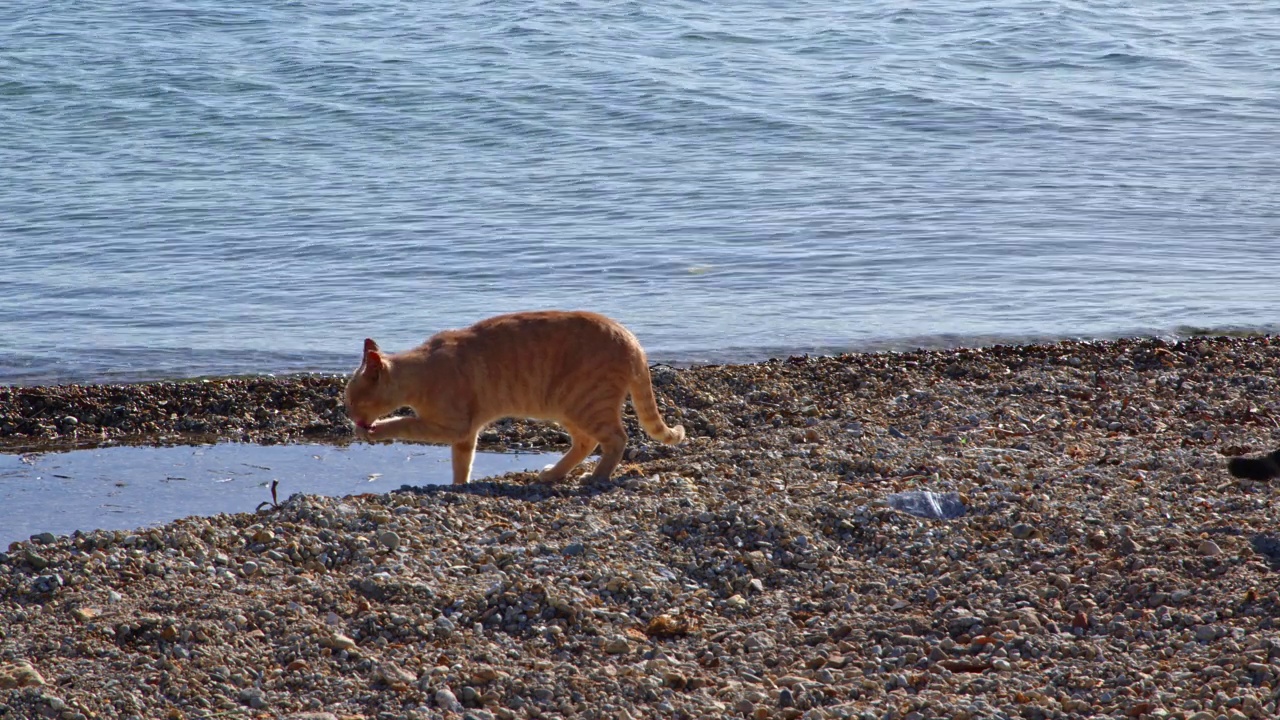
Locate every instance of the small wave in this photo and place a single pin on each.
(725, 37)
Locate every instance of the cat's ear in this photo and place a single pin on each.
(373, 362)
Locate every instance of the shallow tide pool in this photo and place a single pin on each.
(122, 488)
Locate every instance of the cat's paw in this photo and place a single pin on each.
(364, 432)
(548, 475)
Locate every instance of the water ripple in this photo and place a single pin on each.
(200, 187)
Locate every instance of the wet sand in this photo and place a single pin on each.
(1105, 564)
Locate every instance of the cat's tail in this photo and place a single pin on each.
(647, 409)
(1255, 468)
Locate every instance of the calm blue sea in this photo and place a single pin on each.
(216, 186)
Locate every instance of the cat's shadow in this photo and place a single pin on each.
(531, 491)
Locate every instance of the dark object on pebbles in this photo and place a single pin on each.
(274, 503)
(1268, 546)
(1255, 468)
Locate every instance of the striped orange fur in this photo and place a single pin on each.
(573, 368)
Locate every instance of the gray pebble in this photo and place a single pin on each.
(389, 540)
(446, 700)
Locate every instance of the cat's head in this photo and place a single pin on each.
(370, 393)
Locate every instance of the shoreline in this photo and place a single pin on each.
(270, 409)
(1106, 563)
(219, 366)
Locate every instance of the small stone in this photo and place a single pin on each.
(1127, 546)
(758, 641)
(48, 583)
(393, 674)
(70, 421)
(249, 568)
(962, 624)
(1022, 531)
(389, 540)
(253, 698)
(446, 700)
(264, 536)
(19, 674)
(445, 626)
(45, 538)
(1028, 619)
(617, 645)
(574, 549)
(1209, 548)
(297, 665)
(737, 602)
(756, 585)
(785, 698)
(341, 642)
(1206, 633)
(36, 561)
(85, 614)
(1002, 665)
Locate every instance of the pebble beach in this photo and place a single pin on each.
(1095, 558)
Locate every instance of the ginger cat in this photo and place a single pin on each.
(574, 368)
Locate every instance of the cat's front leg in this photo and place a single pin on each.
(414, 428)
(396, 428)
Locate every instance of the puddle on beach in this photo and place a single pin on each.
(123, 488)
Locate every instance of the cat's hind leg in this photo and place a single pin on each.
(582, 446)
(613, 442)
